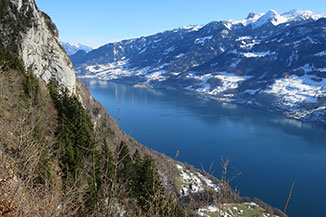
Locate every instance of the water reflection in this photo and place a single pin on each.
(269, 149)
(212, 112)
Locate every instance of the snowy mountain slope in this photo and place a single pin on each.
(280, 67)
(274, 18)
(72, 48)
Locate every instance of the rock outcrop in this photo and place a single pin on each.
(39, 47)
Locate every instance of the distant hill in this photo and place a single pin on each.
(72, 48)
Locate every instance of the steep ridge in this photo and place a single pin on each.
(271, 61)
(37, 42)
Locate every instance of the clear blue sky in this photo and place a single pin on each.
(97, 22)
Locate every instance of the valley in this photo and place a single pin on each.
(270, 61)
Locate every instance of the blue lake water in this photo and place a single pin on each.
(269, 150)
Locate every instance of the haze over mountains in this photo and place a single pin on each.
(72, 48)
(269, 60)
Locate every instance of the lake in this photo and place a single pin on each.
(269, 150)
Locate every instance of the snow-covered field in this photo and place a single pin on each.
(120, 69)
(194, 182)
(228, 81)
(295, 90)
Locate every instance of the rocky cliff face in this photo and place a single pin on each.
(38, 45)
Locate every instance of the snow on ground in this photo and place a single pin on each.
(244, 38)
(309, 68)
(294, 57)
(229, 81)
(251, 92)
(114, 70)
(235, 63)
(295, 90)
(193, 182)
(108, 72)
(212, 209)
(180, 55)
(257, 54)
(203, 39)
(157, 40)
(156, 76)
(168, 50)
(208, 182)
(249, 44)
(143, 50)
(254, 54)
(323, 53)
(233, 209)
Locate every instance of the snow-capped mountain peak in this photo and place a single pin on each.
(274, 18)
(251, 18)
(271, 16)
(299, 15)
(72, 48)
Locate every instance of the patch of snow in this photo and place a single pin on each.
(143, 50)
(229, 81)
(235, 63)
(251, 92)
(249, 44)
(175, 73)
(308, 38)
(323, 53)
(244, 38)
(208, 182)
(190, 27)
(309, 68)
(213, 209)
(168, 50)
(156, 76)
(295, 90)
(180, 55)
(257, 54)
(115, 70)
(203, 39)
(294, 57)
(192, 183)
(157, 40)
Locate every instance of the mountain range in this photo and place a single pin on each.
(271, 61)
(72, 48)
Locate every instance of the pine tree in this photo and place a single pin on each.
(124, 165)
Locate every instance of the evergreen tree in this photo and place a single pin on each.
(75, 133)
(124, 166)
